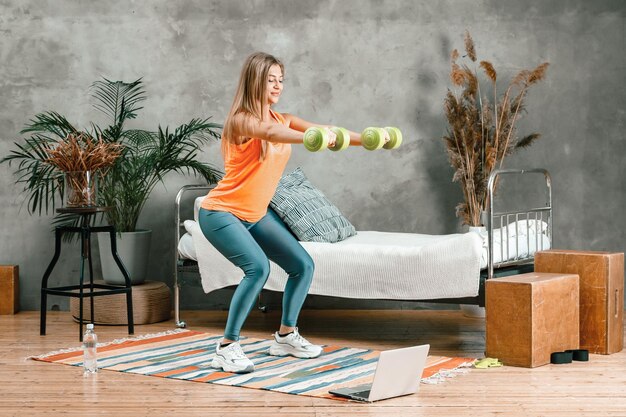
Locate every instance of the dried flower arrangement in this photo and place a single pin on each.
(82, 159)
(480, 133)
(80, 152)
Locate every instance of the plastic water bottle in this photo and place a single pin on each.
(90, 361)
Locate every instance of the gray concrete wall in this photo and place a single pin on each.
(351, 63)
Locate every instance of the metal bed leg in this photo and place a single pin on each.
(260, 305)
(180, 324)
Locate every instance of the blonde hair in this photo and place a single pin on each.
(250, 96)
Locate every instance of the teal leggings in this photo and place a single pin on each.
(250, 246)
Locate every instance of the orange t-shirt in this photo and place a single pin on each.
(248, 184)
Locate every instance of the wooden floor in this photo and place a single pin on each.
(30, 388)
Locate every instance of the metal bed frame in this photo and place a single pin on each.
(496, 220)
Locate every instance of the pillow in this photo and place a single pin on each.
(186, 249)
(526, 226)
(189, 225)
(196, 206)
(307, 212)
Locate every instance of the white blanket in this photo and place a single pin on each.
(370, 265)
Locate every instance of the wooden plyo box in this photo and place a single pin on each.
(529, 316)
(601, 294)
(9, 289)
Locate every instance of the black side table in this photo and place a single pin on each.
(85, 231)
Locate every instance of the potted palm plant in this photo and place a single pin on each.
(145, 157)
(481, 133)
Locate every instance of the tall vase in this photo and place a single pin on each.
(80, 188)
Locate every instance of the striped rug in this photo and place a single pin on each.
(187, 355)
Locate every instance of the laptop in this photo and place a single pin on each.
(398, 372)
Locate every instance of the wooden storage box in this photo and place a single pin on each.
(529, 316)
(9, 289)
(601, 294)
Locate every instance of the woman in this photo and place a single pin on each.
(235, 216)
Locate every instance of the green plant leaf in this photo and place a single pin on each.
(148, 157)
(117, 99)
(39, 179)
(49, 122)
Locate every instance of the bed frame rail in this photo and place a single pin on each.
(530, 221)
(180, 265)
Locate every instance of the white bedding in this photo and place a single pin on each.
(529, 235)
(370, 265)
(532, 241)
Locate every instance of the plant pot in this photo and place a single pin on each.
(133, 249)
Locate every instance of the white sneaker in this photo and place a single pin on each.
(232, 359)
(295, 345)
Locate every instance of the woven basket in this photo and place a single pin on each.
(151, 304)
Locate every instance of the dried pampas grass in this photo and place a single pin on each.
(482, 133)
(469, 47)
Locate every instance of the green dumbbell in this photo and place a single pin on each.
(316, 139)
(343, 139)
(373, 138)
(395, 138)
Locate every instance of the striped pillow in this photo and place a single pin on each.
(307, 212)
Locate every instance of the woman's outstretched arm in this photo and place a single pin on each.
(301, 125)
(251, 127)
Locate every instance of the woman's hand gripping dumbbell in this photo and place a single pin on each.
(319, 138)
(372, 138)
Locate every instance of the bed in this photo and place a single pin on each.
(391, 266)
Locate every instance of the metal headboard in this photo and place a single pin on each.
(531, 218)
(179, 225)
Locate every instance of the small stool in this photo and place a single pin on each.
(601, 294)
(85, 231)
(529, 316)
